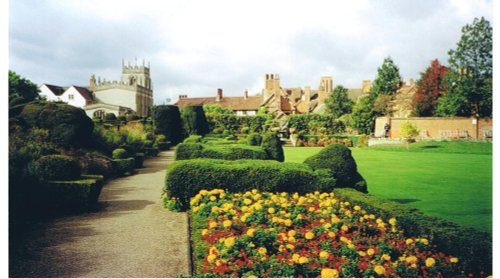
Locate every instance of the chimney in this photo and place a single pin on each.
(245, 94)
(182, 97)
(219, 95)
(367, 86)
(92, 83)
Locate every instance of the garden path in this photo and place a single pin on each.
(130, 235)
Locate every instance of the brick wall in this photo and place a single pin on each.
(439, 127)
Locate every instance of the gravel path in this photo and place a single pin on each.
(129, 236)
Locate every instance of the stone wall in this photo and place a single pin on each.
(439, 127)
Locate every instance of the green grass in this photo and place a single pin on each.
(455, 185)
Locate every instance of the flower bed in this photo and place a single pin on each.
(287, 235)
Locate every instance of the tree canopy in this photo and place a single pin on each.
(20, 87)
(430, 87)
(387, 81)
(338, 102)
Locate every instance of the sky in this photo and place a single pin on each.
(195, 47)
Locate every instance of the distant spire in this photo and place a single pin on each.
(136, 61)
(123, 62)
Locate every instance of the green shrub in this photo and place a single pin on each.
(167, 122)
(363, 140)
(193, 139)
(272, 146)
(109, 116)
(123, 166)
(186, 151)
(94, 163)
(120, 153)
(187, 177)
(139, 160)
(58, 167)
(254, 139)
(195, 122)
(151, 152)
(80, 194)
(472, 247)
(337, 159)
(162, 146)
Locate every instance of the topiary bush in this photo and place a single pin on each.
(254, 139)
(187, 177)
(95, 163)
(123, 166)
(167, 122)
(72, 195)
(109, 116)
(58, 167)
(272, 146)
(139, 160)
(186, 151)
(120, 153)
(195, 122)
(338, 160)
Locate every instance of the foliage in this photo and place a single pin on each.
(285, 235)
(195, 122)
(186, 178)
(120, 153)
(254, 139)
(82, 194)
(363, 116)
(67, 125)
(167, 121)
(321, 141)
(95, 163)
(185, 151)
(212, 109)
(315, 124)
(232, 124)
(337, 159)
(21, 88)
(193, 139)
(58, 167)
(338, 103)
(383, 105)
(387, 81)
(473, 248)
(430, 87)
(409, 131)
(138, 160)
(472, 66)
(109, 117)
(272, 146)
(123, 166)
(134, 135)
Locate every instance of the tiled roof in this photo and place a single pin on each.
(57, 90)
(85, 92)
(233, 103)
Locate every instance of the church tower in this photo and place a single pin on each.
(136, 75)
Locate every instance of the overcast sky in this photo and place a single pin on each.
(195, 47)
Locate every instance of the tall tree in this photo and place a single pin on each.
(167, 120)
(472, 66)
(20, 87)
(195, 122)
(388, 80)
(430, 87)
(363, 116)
(338, 103)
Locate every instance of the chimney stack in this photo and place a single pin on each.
(245, 94)
(367, 86)
(219, 95)
(182, 97)
(92, 83)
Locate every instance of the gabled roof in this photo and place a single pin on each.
(233, 103)
(85, 92)
(57, 90)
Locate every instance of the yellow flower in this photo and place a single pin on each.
(288, 222)
(454, 260)
(243, 218)
(211, 258)
(291, 239)
(380, 270)
(344, 228)
(409, 241)
(303, 260)
(370, 252)
(251, 245)
(351, 246)
(213, 198)
(204, 232)
(213, 225)
(329, 273)
(424, 241)
(392, 221)
(271, 210)
(213, 250)
(385, 257)
(411, 260)
(292, 233)
(327, 226)
(343, 239)
(361, 253)
(290, 246)
(262, 250)
(331, 234)
(357, 208)
(251, 276)
(309, 235)
(247, 201)
(324, 254)
(251, 232)
(227, 223)
(299, 217)
(295, 257)
(430, 262)
(257, 206)
(220, 262)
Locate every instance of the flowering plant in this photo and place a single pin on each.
(288, 235)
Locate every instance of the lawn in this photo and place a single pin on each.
(448, 180)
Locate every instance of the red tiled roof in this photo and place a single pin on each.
(233, 103)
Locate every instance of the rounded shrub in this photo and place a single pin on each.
(167, 122)
(120, 153)
(338, 160)
(272, 146)
(58, 167)
(254, 139)
(109, 116)
(195, 121)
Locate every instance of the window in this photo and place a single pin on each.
(99, 114)
(71, 97)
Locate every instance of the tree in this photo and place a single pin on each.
(383, 105)
(195, 122)
(472, 66)
(20, 87)
(216, 109)
(430, 87)
(272, 146)
(388, 80)
(362, 116)
(409, 132)
(338, 103)
(167, 121)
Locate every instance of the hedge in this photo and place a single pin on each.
(272, 146)
(472, 247)
(57, 167)
(80, 194)
(187, 177)
(123, 166)
(139, 160)
(120, 153)
(185, 151)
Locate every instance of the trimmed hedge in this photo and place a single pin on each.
(151, 151)
(120, 153)
(193, 139)
(254, 139)
(471, 246)
(187, 177)
(186, 151)
(272, 146)
(123, 166)
(139, 160)
(57, 167)
(80, 194)
(338, 160)
(163, 145)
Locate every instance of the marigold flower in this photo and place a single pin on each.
(251, 276)
(324, 254)
(309, 235)
(295, 257)
(251, 232)
(454, 260)
(370, 252)
(392, 221)
(344, 228)
(288, 222)
(227, 223)
(213, 198)
(213, 225)
(247, 201)
(424, 241)
(211, 258)
(362, 253)
(385, 257)
(271, 210)
(291, 239)
(262, 250)
(292, 233)
(331, 234)
(430, 262)
(258, 206)
(380, 270)
(329, 273)
(409, 241)
(357, 207)
(411, 260)
(204, 232)
(327, 226)
(303, 260)
(290, 246)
